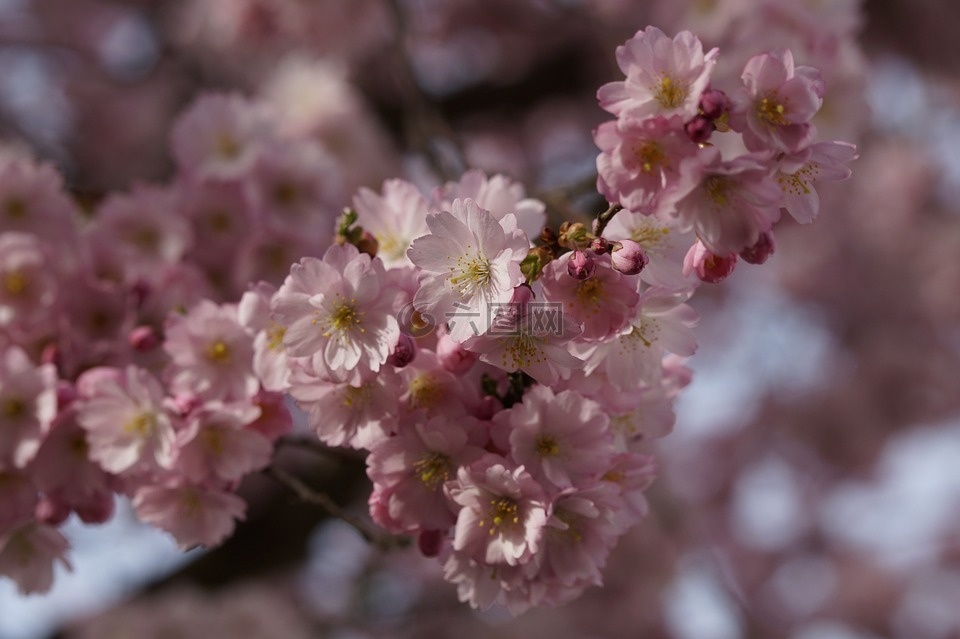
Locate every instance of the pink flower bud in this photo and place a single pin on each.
(580, 265)
(52, 512)
(628, 257)
(713, 104)
(429, 542)
(709, 268)
(66, 394)
(759, 252)
(98, 510)
(599, 245)
(143, 339)
(453, 357)
(699, 129)
(404, 352)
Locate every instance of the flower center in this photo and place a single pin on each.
(16, 282)
(356, 395)
(275, 336)
(771, 111)
(590, 294)
(15, 208)
(212, 438)
(522, 349)
(470, 274)
(142, 425)
(649, 235)
(286, 194)
(391, 247)
(547, 446)
(503, 513)
(433, 469)
(227, 146)
(718, 189)
(343, 320)
(650, 157)
(425, 391)
(218, 352)
(14, 407)
(670, 93)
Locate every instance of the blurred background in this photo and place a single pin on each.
(811, 487)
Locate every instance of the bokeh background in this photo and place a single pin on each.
(811, 487)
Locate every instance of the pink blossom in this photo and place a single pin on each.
(503, 512)
(346, 414)
(194, 515)
(663, 323)
(530, 338)
(498, 194)
(220, 214)
(32, 201)
(470, 263)
(562, 440)
(733, 203)
(269, 356)
(338, 312)
(415, 464)
(602, 305)
(211, 353)
(664, 77)
(798, 173)
(296, 186)
(777, 102)
(639, 163)
(395, 219)
(128, 426)
(663, 242)
(28, 554)
(63, 467)
(218, 443)
(145, 227)
(219, 136)
(28, 404)
(482, 585)
(28, 284)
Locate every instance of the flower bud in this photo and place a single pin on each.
(98, 510)
(51, 512)
(143, 339)
(699, 129)
(580, 265)
(761, 251)
(66, 393)
(714, 104)
(628, 257)
(709, 268)
(453, 357)
(573, 236)
(368, 244)
(599, 245)
(430, 542)
(404, 352)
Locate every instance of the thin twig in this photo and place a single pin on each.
(309, 495)
(604, 218)
(315, 446)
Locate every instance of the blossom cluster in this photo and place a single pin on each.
(504, 376)
(683, 156)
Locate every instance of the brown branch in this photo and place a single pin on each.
(604, 218)
(307, 494)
